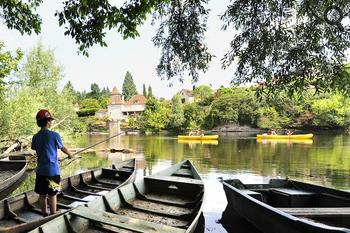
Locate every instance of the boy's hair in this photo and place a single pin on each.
(42, 122)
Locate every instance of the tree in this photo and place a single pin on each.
(177, 117)
(288, 44)
(41, 69)
(36, 88)
(150, 92)
(129, 88)
(95, 91)
(144, 91)
(203, 94)
(156, 116)
(8, 63)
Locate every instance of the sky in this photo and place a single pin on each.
(107, 66)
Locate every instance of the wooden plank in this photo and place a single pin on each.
(292, 191)
(175, 179)
(318, 212)
(124, 222)
(97, 187)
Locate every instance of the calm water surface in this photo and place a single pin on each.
(324, 160)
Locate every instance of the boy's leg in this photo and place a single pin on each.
(43, 204)
(53, 203)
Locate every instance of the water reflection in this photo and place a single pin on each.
(325, 161)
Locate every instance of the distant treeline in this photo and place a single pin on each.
(241, 106)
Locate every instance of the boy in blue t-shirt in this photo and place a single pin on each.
(46, 143)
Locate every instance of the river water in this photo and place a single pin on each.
(325, 160)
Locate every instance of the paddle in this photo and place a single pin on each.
(78, 152)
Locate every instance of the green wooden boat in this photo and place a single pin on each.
(287, 206)
(22, 213)
(169, 201)
(12, 174)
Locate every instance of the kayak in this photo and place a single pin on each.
(284, 140)
(198, 137)
(191, 142)
(293, 136)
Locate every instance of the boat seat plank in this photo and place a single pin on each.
(254, 194)
(69, 197)
(292, 191)
(85, 192)
(318, 212)
(175, 179)
(107, 183)
(97, 187)
(184, 173)
(123, 221)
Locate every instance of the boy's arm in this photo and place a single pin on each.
(67, 152)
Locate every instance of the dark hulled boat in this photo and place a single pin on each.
(22, 213)
(12, 173)
(169, 201)
(288, 206)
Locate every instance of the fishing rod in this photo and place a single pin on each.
(78, 152)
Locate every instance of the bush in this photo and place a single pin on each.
(87, 112)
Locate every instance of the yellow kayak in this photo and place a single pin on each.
(293, 136)
(210, 142)
(195, 137)
(283, 140)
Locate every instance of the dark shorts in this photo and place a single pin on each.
(47, 184)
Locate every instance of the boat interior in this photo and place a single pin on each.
(76, 190)
(302, 200)
(157, 203)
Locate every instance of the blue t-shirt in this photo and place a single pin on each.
(46, 143)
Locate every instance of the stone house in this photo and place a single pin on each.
(119, 109)
(186, 96)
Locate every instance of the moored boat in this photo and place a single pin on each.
(288, 206)
(168, 201)
(198, 137)
(22, 213)
(12, 173)
(293, 136)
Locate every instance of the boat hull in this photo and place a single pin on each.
(15, 170)
(295, 136)
(168, 201)
(266, 218)
(76, 190)
(194, 137)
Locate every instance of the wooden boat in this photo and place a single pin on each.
(168, 201)
(284, 140)
(198, 137)
(289, 206)
(12, 174)
(22, 213)
(293, 136)
(208, 142)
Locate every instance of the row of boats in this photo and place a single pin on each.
(110, 200)
(258, 136)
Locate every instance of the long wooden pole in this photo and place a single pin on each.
(109, 138)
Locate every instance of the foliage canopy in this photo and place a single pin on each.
(279, 44)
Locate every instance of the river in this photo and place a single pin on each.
(325, 160)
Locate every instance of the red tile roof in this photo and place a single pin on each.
(137, 99)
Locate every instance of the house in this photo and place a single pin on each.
(119, 109)
(101, 114)
(186, 96)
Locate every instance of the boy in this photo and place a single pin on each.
(45, 143)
